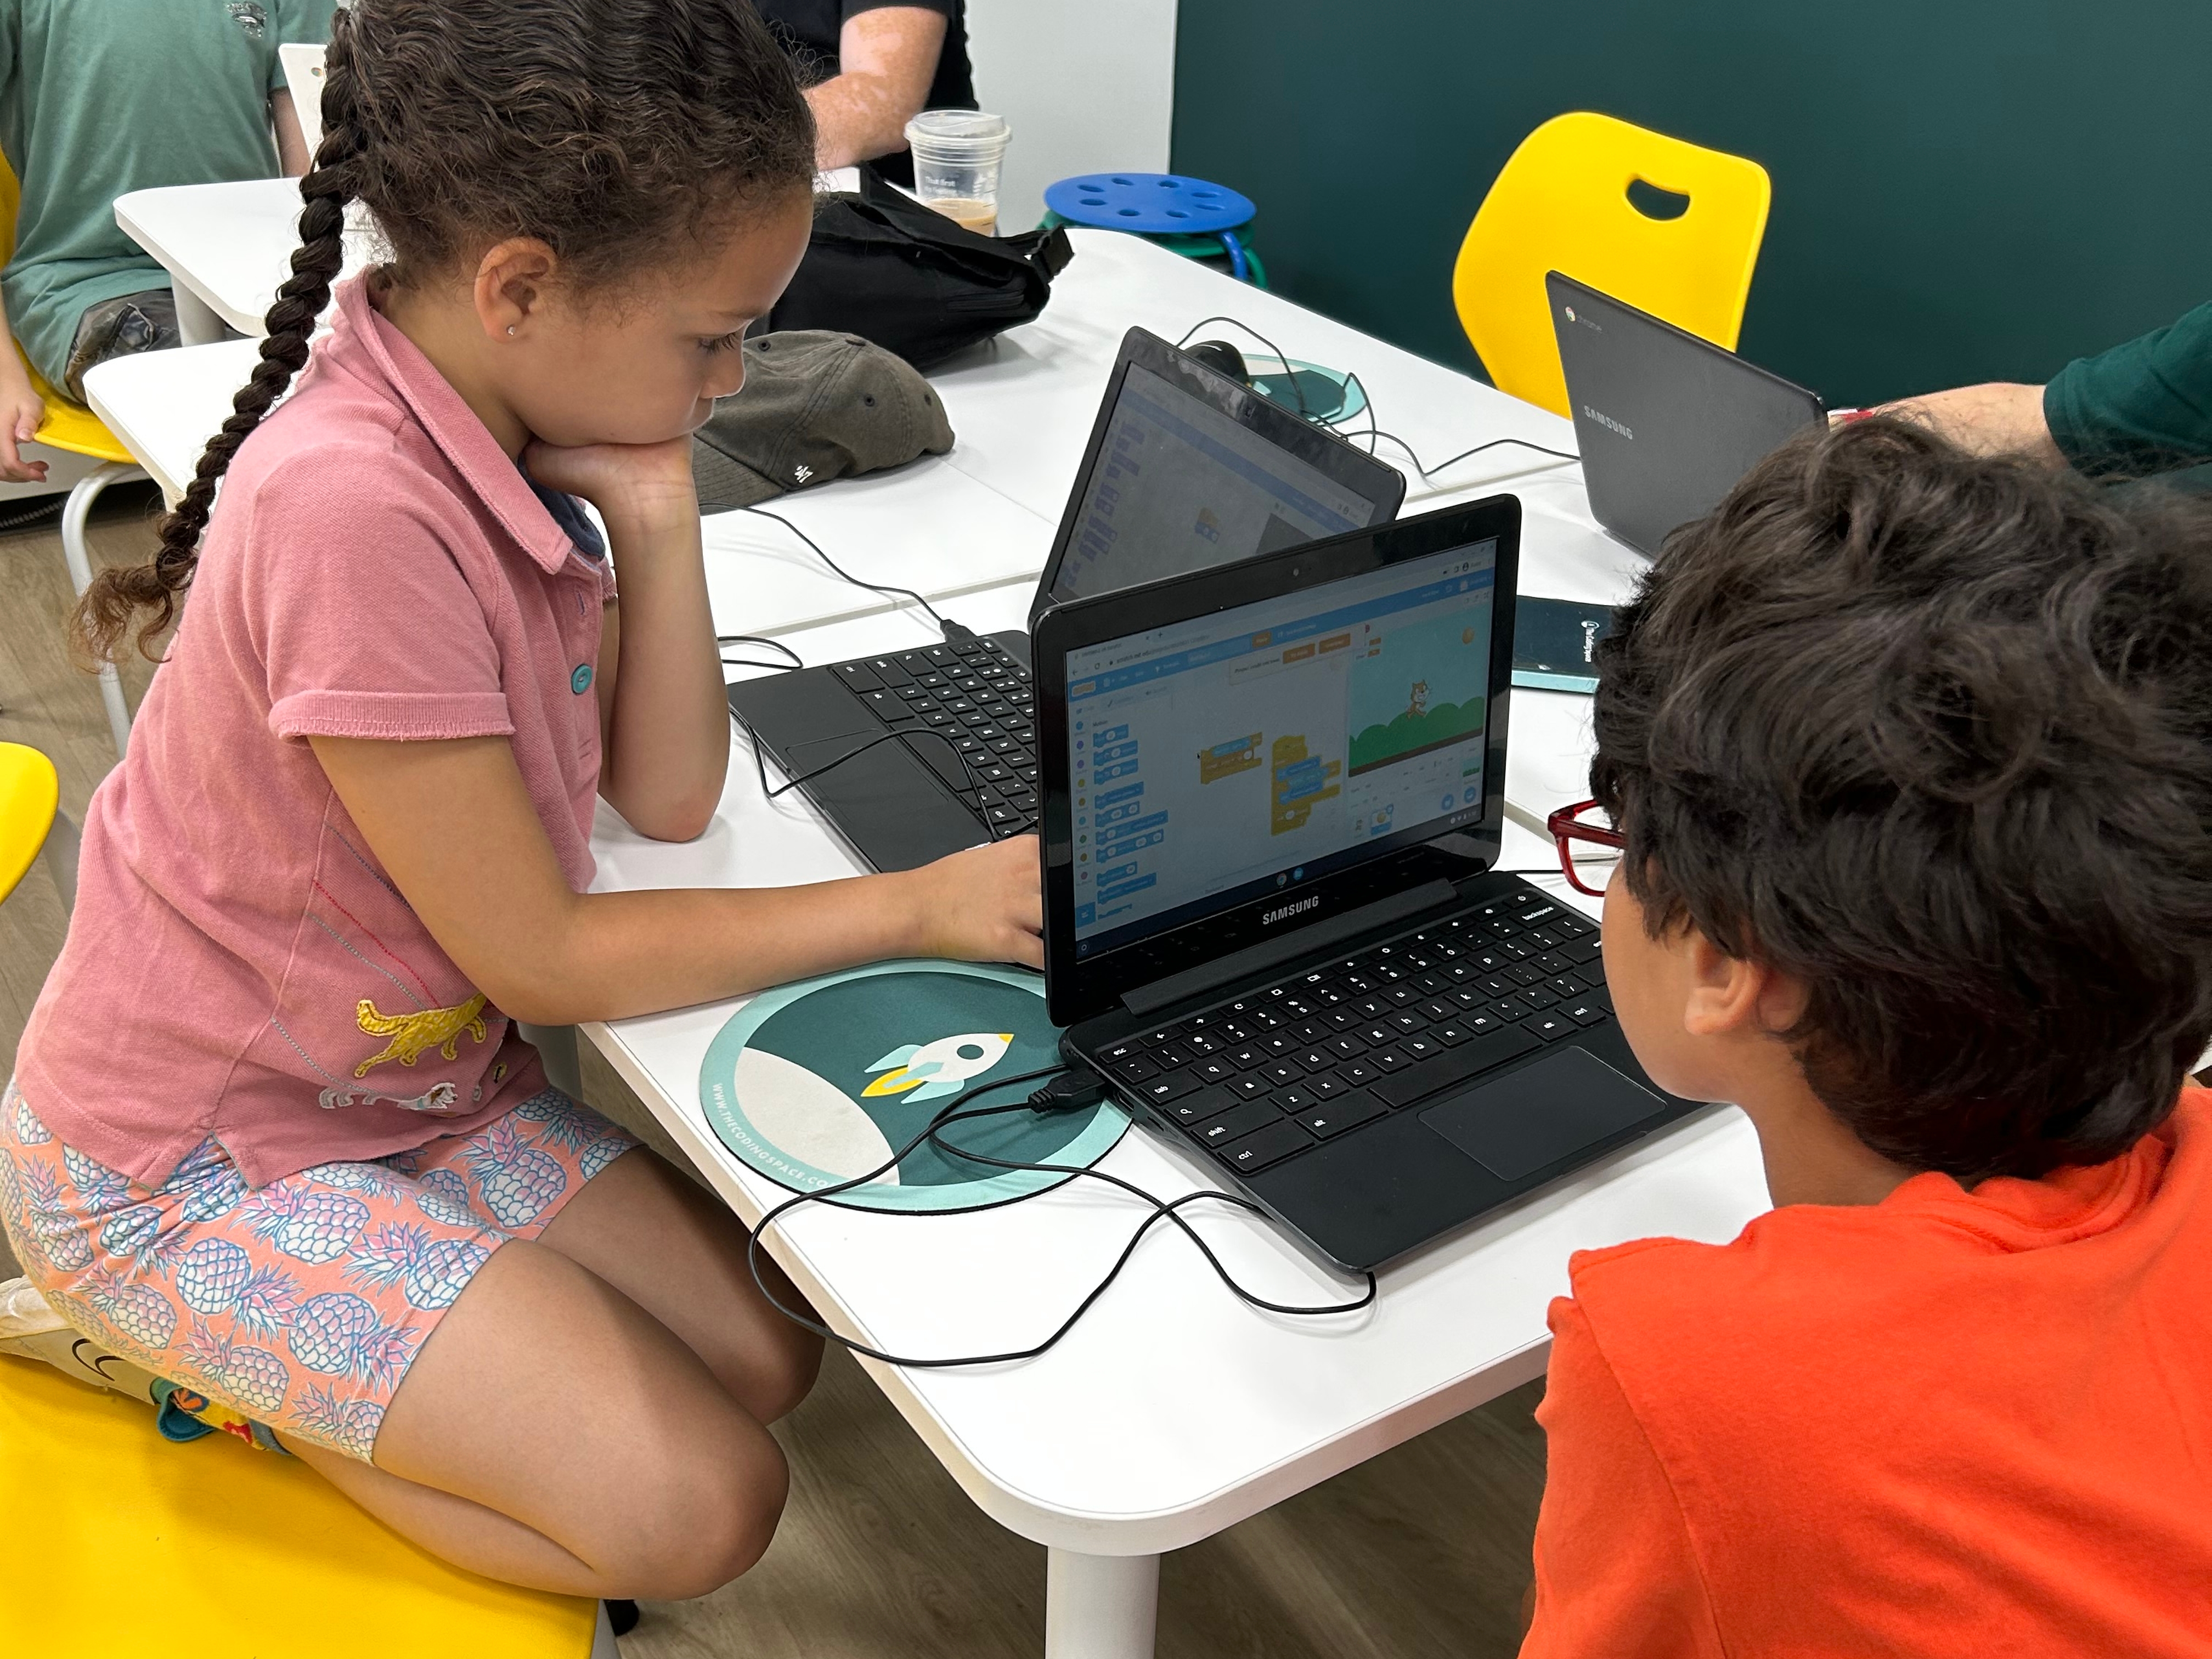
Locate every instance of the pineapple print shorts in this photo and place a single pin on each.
(299, 1304)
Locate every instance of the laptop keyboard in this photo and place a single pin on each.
(1325, 1053)
(981, 701)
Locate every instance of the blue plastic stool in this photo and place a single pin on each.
(1188, 215)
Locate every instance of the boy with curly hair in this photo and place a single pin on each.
(1911, 753)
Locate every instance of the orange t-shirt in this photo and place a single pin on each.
(1949, 1424)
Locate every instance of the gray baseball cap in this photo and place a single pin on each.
(816, 405)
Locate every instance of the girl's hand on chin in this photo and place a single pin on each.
(647, 484)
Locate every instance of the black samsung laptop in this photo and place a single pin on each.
(1666, 423)
(1186, 468)
(1274, 800)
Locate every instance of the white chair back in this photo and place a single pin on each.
(303, 69)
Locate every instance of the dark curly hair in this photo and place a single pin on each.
(617, 131)
(1933, 733)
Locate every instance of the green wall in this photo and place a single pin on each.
(1964, 190)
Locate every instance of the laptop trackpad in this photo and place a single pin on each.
(1543, 1113)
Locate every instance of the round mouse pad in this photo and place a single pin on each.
(817, 1082)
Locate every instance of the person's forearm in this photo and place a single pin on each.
(292, 157)
(454, 828)
(857, 117)
(1999, 418)
(887, 58)
(668, 737)
(613, 955)
(15, 378)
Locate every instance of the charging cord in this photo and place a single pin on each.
(1374, 433)
(762, 640)
(795, 661)
(952, 631)
(1067, 1091)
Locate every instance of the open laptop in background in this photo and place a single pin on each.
(921, 753)
(1274, 799)
(1666, 422)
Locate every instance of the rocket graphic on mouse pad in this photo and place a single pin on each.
(939, 1067)
(818, 1082)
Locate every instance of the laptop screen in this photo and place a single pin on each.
(1178, 485)
(1216, 760)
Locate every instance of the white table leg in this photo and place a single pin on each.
(1100, 1607)
(197, 322)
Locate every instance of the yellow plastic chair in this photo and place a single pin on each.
(116, 1541)
(30, 795)
(80, 432)
(1561, 202)
(119, 1542)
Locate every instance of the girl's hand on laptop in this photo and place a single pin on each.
(982, 905)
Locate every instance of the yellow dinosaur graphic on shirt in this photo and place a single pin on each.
(411, 1034)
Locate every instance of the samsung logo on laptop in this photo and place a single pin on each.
(1607, 423)
(1284, 913)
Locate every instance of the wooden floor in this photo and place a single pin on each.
(1421, 1552)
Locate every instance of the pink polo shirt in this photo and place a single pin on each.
(239, 964)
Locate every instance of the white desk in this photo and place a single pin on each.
(229, 246)
(927, 527)
(164, 406)
(1098, 1449)
(1021, 408)
(1018, 401)
(1106, 1449)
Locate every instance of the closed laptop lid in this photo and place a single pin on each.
(1187, 468)
(1233, 757)
(1666, 423)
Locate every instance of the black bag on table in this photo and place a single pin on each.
(885, 267)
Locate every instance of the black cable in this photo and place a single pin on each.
(1281, 356)
(1160, 1212)
(760, 766)
(944, 627)
(1367, 399)
(1045, 1098)
(797, 661)
(1428, 473)
(49, 508)
(793, 782)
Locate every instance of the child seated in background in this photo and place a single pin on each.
(98, 100)
(1911, 753)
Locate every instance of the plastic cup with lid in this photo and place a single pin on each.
(957, 154)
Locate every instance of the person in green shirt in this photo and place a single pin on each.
(2142, 408)
(100, 99)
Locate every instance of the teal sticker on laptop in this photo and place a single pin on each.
(815, 1082)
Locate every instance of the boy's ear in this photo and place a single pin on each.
(511, 283)
(1729, 994)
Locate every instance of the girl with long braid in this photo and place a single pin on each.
(273, 1135)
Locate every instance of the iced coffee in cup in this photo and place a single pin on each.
(956, 153)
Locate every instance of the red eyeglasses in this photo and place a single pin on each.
(1568, 826)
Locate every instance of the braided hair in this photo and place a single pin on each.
(616, 131)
